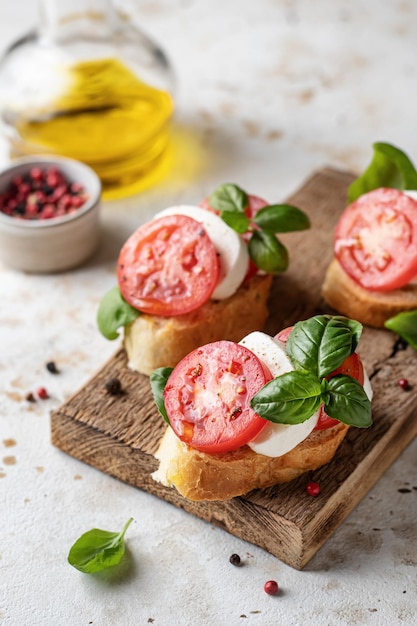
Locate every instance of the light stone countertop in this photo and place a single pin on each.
(268, 92)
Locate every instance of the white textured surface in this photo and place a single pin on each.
(272, 89)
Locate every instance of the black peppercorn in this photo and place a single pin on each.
(235, 559)
(52, 368)
(113, 386)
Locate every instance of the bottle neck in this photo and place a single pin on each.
(61, 18)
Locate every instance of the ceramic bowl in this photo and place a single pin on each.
(58, 243)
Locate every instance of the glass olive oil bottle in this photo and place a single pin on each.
(89, 86)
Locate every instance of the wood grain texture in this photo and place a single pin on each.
(119, 434)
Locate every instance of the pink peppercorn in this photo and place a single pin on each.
(42, 393)
(312, 488)
(271, 587)
(43, 193)
(404, 384)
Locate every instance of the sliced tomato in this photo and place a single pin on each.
(254, 205)
(169, 266)
(376, 240)
(351, 366)
(207, 397)
(284, 334)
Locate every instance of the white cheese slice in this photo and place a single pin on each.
(276, 439)
(233, 252)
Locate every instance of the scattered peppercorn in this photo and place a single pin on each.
(401, 344)
(113, 386)
(235, 559)
(271, 587)
(312, 488)
(42, 393)
(404, 384)
(30, 397)
(42, 194)
(52, 368)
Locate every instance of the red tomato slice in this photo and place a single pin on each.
(351, 366)
(207, 397)
(376, 240)
(254, 205)
(169, 266)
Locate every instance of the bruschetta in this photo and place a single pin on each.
(249, 415)
(196, 274)
(373, 275)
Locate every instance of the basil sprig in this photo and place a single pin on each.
(405, 325)
(316, 348)
(113, 313)
(390, 167)
(158, 379)
(265, 249)
(98, 549)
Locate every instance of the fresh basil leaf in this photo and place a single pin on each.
(348, 402)
(321, 343)
(158, 380)
(267, 252)
(229, 197)
(281, 218)
(113, 313)
(390, 167)
(238, 221)
(290, 398)
(98, 549)
(405, 325)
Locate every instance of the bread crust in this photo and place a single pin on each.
(199, 476)
(369, 307)
(151, 341)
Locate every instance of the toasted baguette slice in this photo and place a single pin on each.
(369, 307)
(151, 341)
(200, 476)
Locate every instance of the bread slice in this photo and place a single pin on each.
(200, 476)
(151, 341)
(369, 307)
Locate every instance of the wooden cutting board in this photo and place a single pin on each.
(119, 434)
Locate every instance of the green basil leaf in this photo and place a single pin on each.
(321, 343)
(267, 252)
(390, 167)
(229, 197)
(348, 402)
(281, 218)
(158, 380)
(113, 313)
(238, 221)
(405, 325)
(98, 549)
(290, 398)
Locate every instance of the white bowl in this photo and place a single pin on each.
(59, 243)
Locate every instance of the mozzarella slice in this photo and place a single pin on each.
(234, 256)
(276, 439)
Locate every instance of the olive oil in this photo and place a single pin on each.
(108, 118)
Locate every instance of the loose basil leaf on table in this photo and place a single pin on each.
(158, 379)
(267, 252)
(321, 343)
(405, 325)
(281, 218)
(98, 549)
(290, 398)
(114, 313)
(229, 197)
(390, 167)
(345, 400)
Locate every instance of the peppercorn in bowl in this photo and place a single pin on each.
(49, 214)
